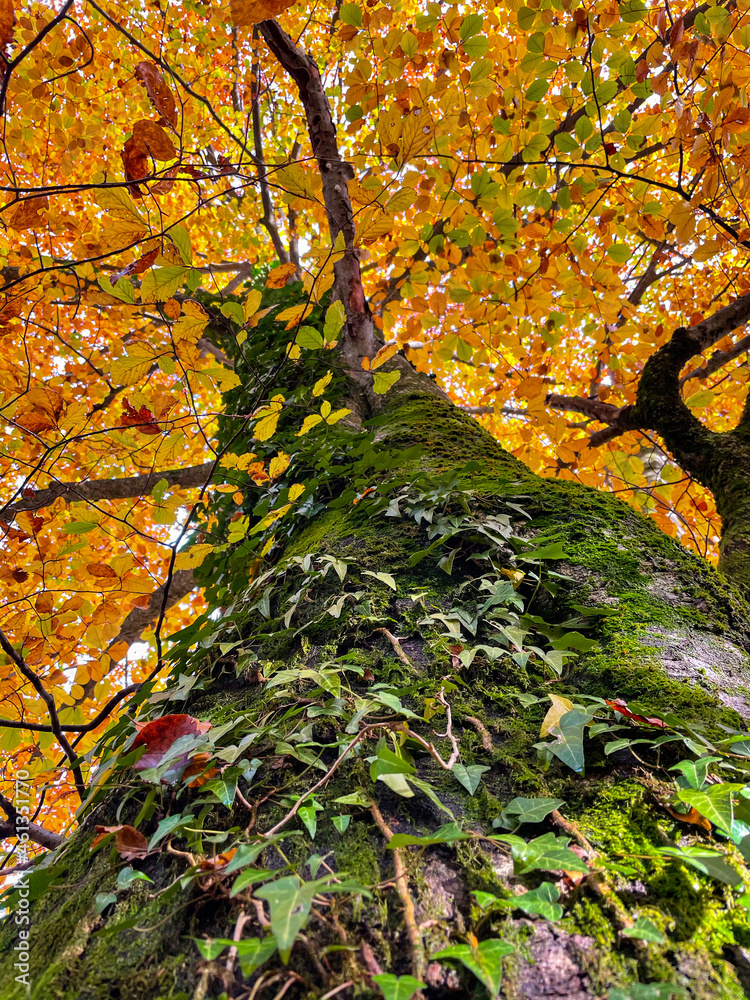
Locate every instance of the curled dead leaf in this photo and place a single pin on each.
(130, 843)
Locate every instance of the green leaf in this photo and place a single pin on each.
(308, 814)
(695, 772)
(398, 987)
(246, 854)
(645, 930)
(233, 311)
(568, 742)
(711, 863)
(126, 876)
(387, 762)
(715, 803)
(526, 17)
(166, 826)
(385, 578)
(341, 822)
(102, 901)
(224, 789)
(449, 833)
(565, 144)
(546, 853)
(79, 527)
(351, 14)
(383, 381)
(541, 902)
(122, 290)
(485, 961)
(309, 338)
(355, 799)
(335, 314)
(250, 877)
(211, 948)
(471, 25)
(181, 239)
(648, 991)
(253, 952)
(537, 90)
(289, 900)
(620, 253)
(469, 776)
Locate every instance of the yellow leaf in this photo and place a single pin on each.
(321, 384)
(294, 314)
(269, 417)
(192, 557)
(556, 711)
(225, 378)
(192, 323)
(278, 465)
(373, 224)
(251, 304)
(296, 491)
(308, 423)
(132, 367)
(417, 134)
(383, 355)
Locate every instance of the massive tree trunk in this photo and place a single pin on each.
(669, 633)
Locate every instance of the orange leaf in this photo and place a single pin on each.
(7, 21)
(246, 12)
(101, 570)
(280, 275)
(138, 266)
(159, 93)
(26, 214)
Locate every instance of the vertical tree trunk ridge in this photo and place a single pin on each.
(671, 636)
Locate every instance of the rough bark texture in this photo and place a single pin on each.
(670, 618)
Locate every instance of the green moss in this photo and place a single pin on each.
(355, 853)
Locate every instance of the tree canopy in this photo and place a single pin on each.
(544, 207)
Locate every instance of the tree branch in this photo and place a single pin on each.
(269, 215)
(180, 584)
(49, 701)
(109, 489)
(18, 824)
(359, 340)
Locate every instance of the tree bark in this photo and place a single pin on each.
(670, 634)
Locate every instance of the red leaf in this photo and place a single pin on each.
(641, 71)
(143, 419)
(159, 735)
(618, 705)
(129, 842)
(138, 266)
(159, 93)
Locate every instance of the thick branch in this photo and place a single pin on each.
(17, 824)
(359, 339)
(109, 489)
(180, 583)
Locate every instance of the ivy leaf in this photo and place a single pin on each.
(645, 930)
(540, 902)
(483, 959)
(398, 987)
(449, 833)
(715, 803)
(546, 853)
(524, 810)
(289, 900)
(709, 862)
(253, 952)
(469, 776)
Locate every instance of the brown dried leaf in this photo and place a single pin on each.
(129, 842)
(101, 570)
(26, 214)
(159, 735)
(159, 93)
(7, 21)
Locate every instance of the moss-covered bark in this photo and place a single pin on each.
(670, 635)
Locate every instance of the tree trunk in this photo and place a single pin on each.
(668, 632)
